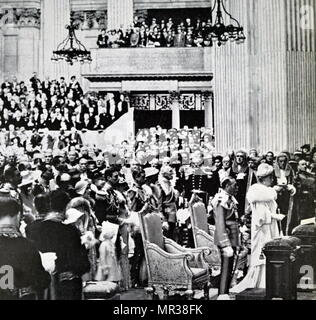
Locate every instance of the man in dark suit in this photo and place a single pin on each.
(18, 254)
(105, 120)
(52, 235)
(103, 39)
(35, 82)
(88, 122)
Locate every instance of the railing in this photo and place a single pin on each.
(149, 62)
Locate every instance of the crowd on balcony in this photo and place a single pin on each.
(78, 202)
(56, 104)
(164, 33)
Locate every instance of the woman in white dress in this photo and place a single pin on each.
(264, 227)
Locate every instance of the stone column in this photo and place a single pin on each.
(1, 55)
(207, 98)
(55, 16)
(9, 42)
(120, 13)
(175, 107)
(152, 102)
(28, 42)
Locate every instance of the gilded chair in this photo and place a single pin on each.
(203, 233)
(171, 268)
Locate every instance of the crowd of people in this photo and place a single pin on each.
(164, 33)
(70, 211)
(56, 104)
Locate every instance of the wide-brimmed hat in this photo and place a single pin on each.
(27, 178)
(72, 215)
(264, 170)
(151, 171)
(81, 187)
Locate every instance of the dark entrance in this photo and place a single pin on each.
(148, 118)
(192, 118)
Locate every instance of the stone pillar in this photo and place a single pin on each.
(175, 108)
(1, 55)
(152, 101)
(19, 42)
(28, 51)
(120, 13)
(28, 42)
(55, 16)
(10, 50)
(207, 98)
(265, 88)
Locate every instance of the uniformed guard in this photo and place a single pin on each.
(226, 231)
(199, 179)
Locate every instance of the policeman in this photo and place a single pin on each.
(226, 231)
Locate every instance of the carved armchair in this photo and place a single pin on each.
(172, 268)
(203, 233)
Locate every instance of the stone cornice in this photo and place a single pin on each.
(171, 76)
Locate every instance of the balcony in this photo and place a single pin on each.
(174, 68)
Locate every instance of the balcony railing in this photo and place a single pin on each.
(125, 63)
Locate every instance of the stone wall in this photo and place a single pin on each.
(19, 41)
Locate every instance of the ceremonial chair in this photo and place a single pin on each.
(172, 269)
(203, 233)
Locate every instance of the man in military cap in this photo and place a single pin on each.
(226, 231)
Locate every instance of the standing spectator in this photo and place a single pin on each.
(134, 38)
(304, 201)
(18, 253)
(155, 38)
(51, 235)
(103, 39)
(226, 232)
(168, 198)
(284, 178)
(179, 39)
(240, 171)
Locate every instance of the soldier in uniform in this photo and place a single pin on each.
(199, 179)
(226, 231)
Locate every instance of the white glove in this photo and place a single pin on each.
(277, 188)
(278, 217)
(48, 261)
(228, 252)
(292, 189)
(165, 226)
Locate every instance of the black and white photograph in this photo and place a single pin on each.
(158, 150)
